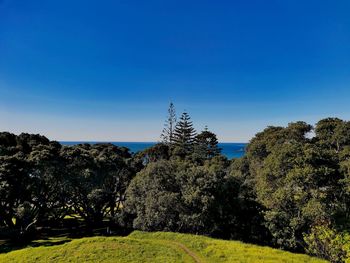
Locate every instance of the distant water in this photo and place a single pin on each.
(230, 150)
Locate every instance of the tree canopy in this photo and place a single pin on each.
(291, 189)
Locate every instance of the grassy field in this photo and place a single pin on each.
(150, 247)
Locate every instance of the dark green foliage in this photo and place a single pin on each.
(168, 135)
(177, 196)
(50, 191)
(152, 194)
(297, 186)
(274, 137)
(206, 145)
(13, 188)
(251, 212)
(341, 136)
(29, 178)
(97, 176)
(298, 180)
(184, 135)
(325, 242)
(160, 151)
(41, 182)
(325, 130)
(183, 196)
(277, 194)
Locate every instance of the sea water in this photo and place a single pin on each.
(230, 150)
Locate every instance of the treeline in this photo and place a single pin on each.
(42, 182)
(290, 190)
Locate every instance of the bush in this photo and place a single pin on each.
(325, 242)
(178, 196)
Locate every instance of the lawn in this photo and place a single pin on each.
(151, 247)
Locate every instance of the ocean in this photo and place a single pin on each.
(230, 150)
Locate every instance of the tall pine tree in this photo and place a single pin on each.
(184, 135)
(207, 144)
(167, 135)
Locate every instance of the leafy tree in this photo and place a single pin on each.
(29, 177)
(325, 242)
(50, 193)
(153, 197)
(184, 135)
(13, 187)
(263, 144)
(167, 135)
(325, 131)
(341, 136)
(97, 176)
(278, 192)
(296, 179)
(206, 196)
(178, 196)
(343, 217)
(297, 185)
(250, 218)
(160, 151)
(297, 131)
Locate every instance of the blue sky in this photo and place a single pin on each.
(107, 70)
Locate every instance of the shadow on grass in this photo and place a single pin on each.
(8, 246)
(53, 236)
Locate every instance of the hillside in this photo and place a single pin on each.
(152, 247)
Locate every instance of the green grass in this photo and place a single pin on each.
(151, 247)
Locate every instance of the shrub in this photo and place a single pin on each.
(325, 242)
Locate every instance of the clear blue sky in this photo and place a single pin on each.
(107, 70)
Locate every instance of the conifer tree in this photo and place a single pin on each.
(207, 143)
(167, 135)
(184, 135)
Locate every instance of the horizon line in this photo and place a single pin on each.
(112, 141)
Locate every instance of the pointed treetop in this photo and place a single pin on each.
(184, 135)
(167, 135)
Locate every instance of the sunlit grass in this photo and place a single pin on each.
(215, 250)
(150, 247)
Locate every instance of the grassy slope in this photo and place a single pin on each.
(153, 247)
